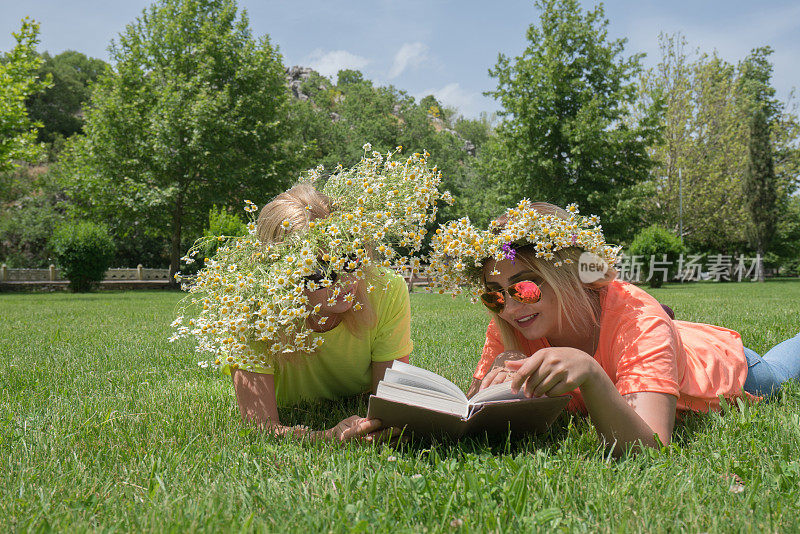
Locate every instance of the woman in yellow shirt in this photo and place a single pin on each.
(359, 345)
(304, 306)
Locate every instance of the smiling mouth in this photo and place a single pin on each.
(527, 320)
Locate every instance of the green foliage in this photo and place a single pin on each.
(764, 191)
(477, 131)
(221, 223)
(58, 108)
(708, 104)
(653, 243)
(19, 80)
(349, 77)
(136, 217)
(83, 251)
(760, 188)
(755, 84)
(193, 113)
(566, 134)
(785, 137)
(712, 160)
(630, 210)
(337, 119)
(31, 206)
(26, 227)
(787, 237)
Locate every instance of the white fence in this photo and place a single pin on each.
(54, 275)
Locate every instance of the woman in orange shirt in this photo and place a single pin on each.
(563, 324)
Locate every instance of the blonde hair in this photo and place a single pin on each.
(300, 205)
(576, 300)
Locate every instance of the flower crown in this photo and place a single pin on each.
(459, 249)
(249, 305)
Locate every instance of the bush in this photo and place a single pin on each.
(83, 251)
(657, 241)
(221, 223)
(26, 228)
(222, 226)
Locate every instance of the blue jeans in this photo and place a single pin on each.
(766, 374)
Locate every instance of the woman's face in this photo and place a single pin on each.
(534, 321)
(333, 303)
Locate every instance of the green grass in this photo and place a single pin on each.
(106, 426)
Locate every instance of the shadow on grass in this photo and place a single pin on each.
(688, 427)
(570, 432)
(326, 414)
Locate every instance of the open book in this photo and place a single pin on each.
(412, 397)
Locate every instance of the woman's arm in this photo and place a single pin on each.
(379, 369)
(255, 393)
(620, 421)
(631, 419)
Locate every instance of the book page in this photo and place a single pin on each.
(423, 376)
(496, 392)
(424, 398)
(395, 376)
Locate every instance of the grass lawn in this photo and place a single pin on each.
(105, 425)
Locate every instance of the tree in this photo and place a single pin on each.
(335, 120)
(754, 84)
(709, 106)
(59, 107)
(477, 131)
(192, 113)
(19, 80)
(786, 148)
(26, 227)
(701, 156)
(714, 160)
(768, 180)
(566, 101)
(787, 233)
(760, 185)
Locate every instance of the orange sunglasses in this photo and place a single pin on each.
(524, 291)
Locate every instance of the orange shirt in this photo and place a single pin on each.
(642, 349)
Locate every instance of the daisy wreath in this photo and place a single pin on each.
(254, 292)
(459, 249)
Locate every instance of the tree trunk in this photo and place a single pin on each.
(760, 256)
(175, 246)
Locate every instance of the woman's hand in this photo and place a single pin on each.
(552, 371)
(356, 427)
(498, 373)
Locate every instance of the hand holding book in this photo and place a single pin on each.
(412, 397)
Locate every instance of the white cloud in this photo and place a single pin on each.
(452, 95)
(330, 63)
(409, 55)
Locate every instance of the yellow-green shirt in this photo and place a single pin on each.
(342, 366)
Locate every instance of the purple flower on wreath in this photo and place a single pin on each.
(510, 252)
(574, 239)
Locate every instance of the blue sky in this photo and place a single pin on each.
(437, 47)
